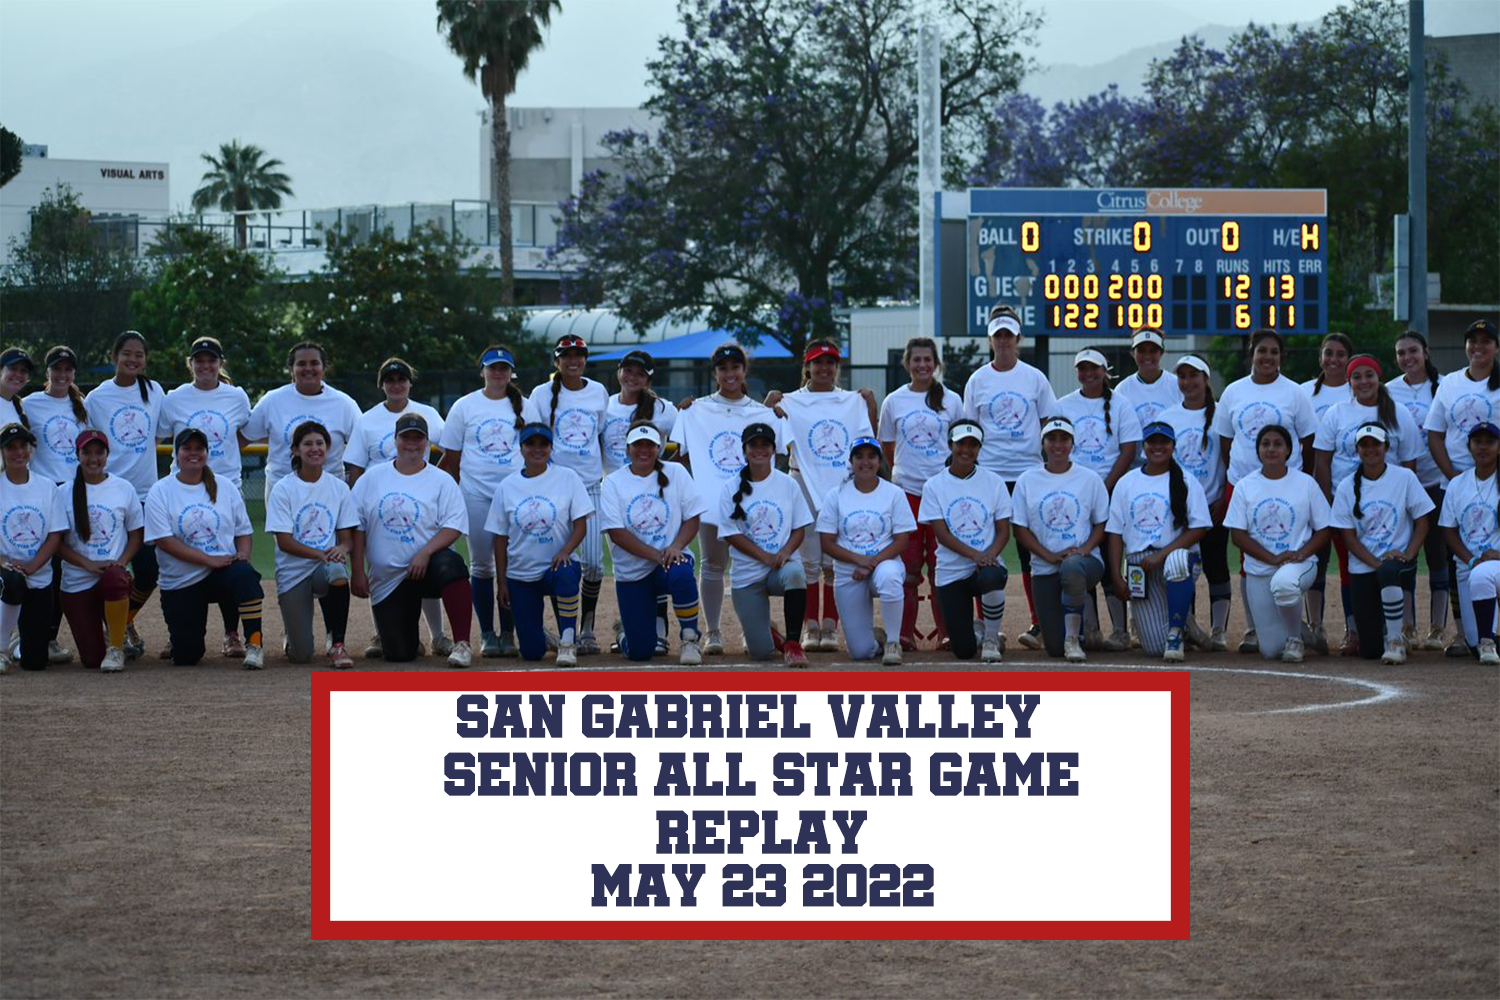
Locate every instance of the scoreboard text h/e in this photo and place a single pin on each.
(1210, 261)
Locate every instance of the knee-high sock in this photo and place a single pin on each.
(1179, 602)
(992, 607)
(1439, 613)
(911, 603)
(830, 607)
(1072, 615)
(138, 599)
(335, 605)
(458, 599)
(1218, 605)
(711, 590)
(811, 603)
(116, 617)
(1348, 608)
(662, 604)
(10, 616)
(1484, 617)
(250, 615)
(483, 588)
(1291, 620)
(1116, 611)
(891, 610)
(1393, 604)
(566, 610)
(794, 605)
(589, 591)
(937, 606)
(432, 610)
(1245, 602)
(1316, 600)
(1030, 598)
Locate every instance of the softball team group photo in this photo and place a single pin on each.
(848, 509)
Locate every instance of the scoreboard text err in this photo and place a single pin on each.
(1199, 261)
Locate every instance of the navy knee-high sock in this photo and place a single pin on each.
(484, 602)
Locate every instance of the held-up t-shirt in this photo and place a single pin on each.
(483, 431)
(313, 514)
(969, 507)
(281, 410)
(1140, 511)
(28, 514)
(864, 523)
(56, 428)
(1247, 406)
(617, 420)
(774, 508)
(132, 426)
(1060, 509)
(114, 511)
(1280, 514)
(1470, 506)
(1461, 403)
(576, 424)
(399, 515)
(1198, 459)
(1343, 420)
(220, 413)
(920, 434)
(649, 511)
(821, 426)
(374, 437)
(1010, 406)
(1093, 446)
(708, 435)
(1417, 400)
(536, 515)
(175, 509)
(1390, 507)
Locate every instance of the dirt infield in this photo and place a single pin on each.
(1346, 842)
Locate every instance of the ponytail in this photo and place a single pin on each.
(1106, 403)
(1359, 477)
(75, 396)
(80, 505)
(745, 490)
(516, 402)
(210, 484)
(662, 482)
(556, 391)
(645, 407)
(1385, 408)
(1177, 491)
(20, 413)
(1208, 411)
(936, 390)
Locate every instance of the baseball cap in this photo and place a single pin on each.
(1485, 427)
(863, 442)
(821, 351)
(409, 422)
(727, 353)
(497, 356)
(534, 430)
(963, 429)
(88, 436)
(641, 360)
(645, 432)
(12, 431)
(13, 356)
(1375, 431)
(1158, 429)
(206, 345)
(1146, 337)
(1193, 361)
(188, 434)
(1482, 328)
(1089, 356)
(569, 343)
(395, 366)
(758, 430)
(1058, 424)
(1005, 324)
(61, 355)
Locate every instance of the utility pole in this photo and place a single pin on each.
(1416, 166)
(929, 169)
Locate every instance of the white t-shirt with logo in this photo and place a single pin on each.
(821, 426)
(1140, 511)
(1060, 509)
(864, 523)
(114, 511)
(577, 426)
(313, 514)
(374, 438)
(774, 508)
(649, 511)
(1327, 396)
(708, 435)
(220, 413)
(56, 428)
(279, 412)
(536, 515)
(28, 514)
(1149, 399)
(399, 514)
(175, 509)
(1470, 505)
(969, 507)
(1093, 446)
(1390, 507)
(1280, 514)
(132, 427)
(1201, 461)
(1010, 406)
(1343, 420)
(920, 434)
(1461, 403)
(617, 420)
(1417, 400)
(1247, 406)
(483, 431)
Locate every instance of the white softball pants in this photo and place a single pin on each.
(1478, 584)
(1276, 602)
(855, 600)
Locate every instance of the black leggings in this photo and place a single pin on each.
(957, 599)
(1214, 551)
(397, 617)
(35, 625)
(186, 608)
(1369, 616)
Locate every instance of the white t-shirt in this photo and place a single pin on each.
(1329, 395)
(1247, 406)
(1010, 406)
(864, 523)
(774, 508)
(56, 427)
(1202, 461)
(132, 428)
(649, 511)
(617, 419)
(483, 431)
(1417, 400)
(576, 426)
(220, 413)
(920, 434)
(969, 508)
(1093, 446)
(1060, 509)
(1470, 506)
(313, 514)
(1343, 420)
(28, 514)
(821, 426)
(279, 412)
(114, 512)
(1280, 514)
(175, 509)
(1150, 400)
(536, 515)
(1390, 505)
(399, 515)
(1140, 511)
(708, 435)
(374, 438)
(1461, 403)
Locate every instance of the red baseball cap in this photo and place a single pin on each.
(88, 435)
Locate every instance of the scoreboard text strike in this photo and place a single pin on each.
(1196, 261)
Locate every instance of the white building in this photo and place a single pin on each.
(551, 149)
(122, 191)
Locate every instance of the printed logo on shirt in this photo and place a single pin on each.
(763, 521)
(969, 520)
(1089, 440)
(922, 430)
(1271, 523)
(1377, 529)
(198, 526)
(58, 434)
(1006, 411)
(1470, 409)
(1256, 415)
(727, 453)
(535, 516)
(130, 427)
(614, 438)
(24, 528)
(865, 530)
(313, 526)
(1476, 525)
(496, 440)
(1192, 454)
(104, 523)
(398, 514)
(1418, 410)
(1060, 513)
(1148, 514)
(215, 427)
(1146, 412)
(828, 440)
(647, 516)
(575, 430)
(386, 448)
(291, 425)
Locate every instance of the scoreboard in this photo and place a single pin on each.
(1106, 261)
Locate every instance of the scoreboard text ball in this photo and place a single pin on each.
(1107, 261)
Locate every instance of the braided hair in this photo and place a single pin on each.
(142, 382)
(1177, 492)
(662, 482)
(745, 489)
(936, 390)
(1337, 338)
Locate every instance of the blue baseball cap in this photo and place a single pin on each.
(1485, 427)
(864, 442)
(1159, 429)
(534, 430)
(497, 356)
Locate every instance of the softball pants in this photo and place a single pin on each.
(186, 608)
(1028, 581)
(956, 601)
(396, 617)
(638, 606)
(817, 568)
(482, 570)
(1214, 553)
(30, 609)
(1379, 606)
(1276, 601)
(1439, 568)
(752, 606)
(143, 576)
(1059, 599)
(88, 612)
(297, 612)
(1476, 600)
(921, 550)
(1168, 600)
(527, 599)
(855, 600)
(715, 552)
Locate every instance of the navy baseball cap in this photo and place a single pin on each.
(534, 430)
(727, 353)
(497, 356)
(11, 432)
(61, 355)
(1159, 429)
(758, 430)
(15, 356)
(1482, 328)
(206, 345)
(395, 367)
(189, 434)
(1485, 427)
(641, 360)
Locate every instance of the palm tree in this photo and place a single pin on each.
(241, 180)
(495, 39)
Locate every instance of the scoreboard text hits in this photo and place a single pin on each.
(1109, 261)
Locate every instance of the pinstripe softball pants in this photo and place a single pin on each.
(1164, 595)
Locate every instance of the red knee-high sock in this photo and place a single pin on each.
(458, 601)
(909, 609)
(1030, 601)
(811, 614)
(830, 606)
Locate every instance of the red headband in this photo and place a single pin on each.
(1362, 361)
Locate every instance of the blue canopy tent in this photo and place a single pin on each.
(693, 346)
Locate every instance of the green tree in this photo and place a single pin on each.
(10, 155)
(241, 180)
(780, 185)
(495, 40)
